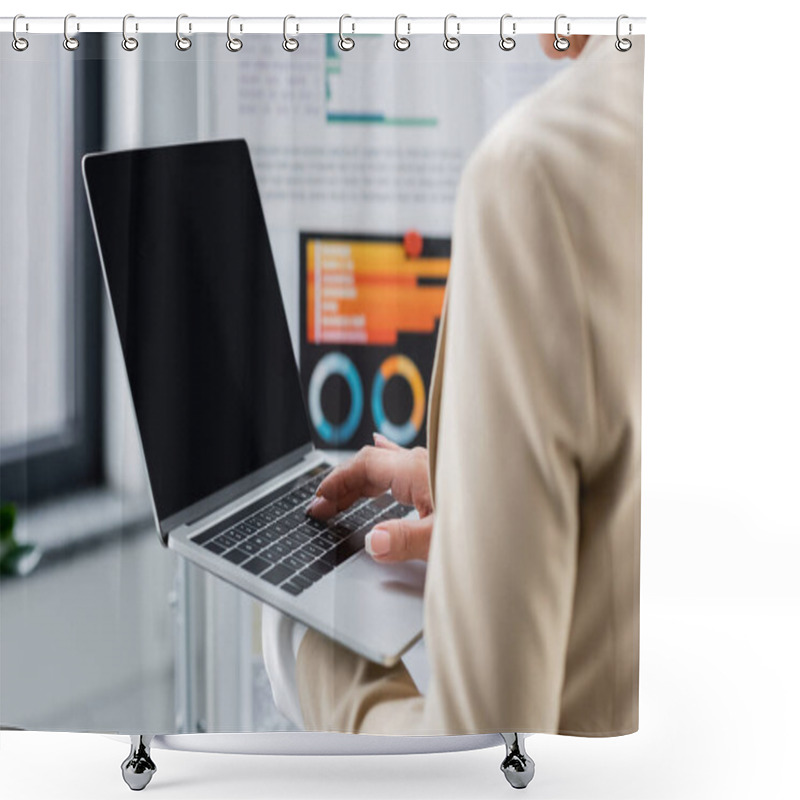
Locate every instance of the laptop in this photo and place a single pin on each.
(217, 398)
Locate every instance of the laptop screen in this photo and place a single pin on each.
(199, 313)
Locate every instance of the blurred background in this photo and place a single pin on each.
(110, 631)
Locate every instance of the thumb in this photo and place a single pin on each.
(400, 539)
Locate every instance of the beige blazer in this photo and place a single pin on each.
(532, 589)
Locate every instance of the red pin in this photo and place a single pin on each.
(412, 242)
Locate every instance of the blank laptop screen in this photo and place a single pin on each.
(199, 313)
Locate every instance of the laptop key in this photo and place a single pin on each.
(273, 558)
(295, 539)
(308, 532)
(226, 541)
(320, 566)
(256, 565)
(214, 547)
(306, 558)
(236, 555)
(294, 562)
(203, 537)
(340, 553)
(383, 501)
(359, 517)
(340, 531)
(278, 574)
(329, 537)
(281, 548)
(312, 576)
(313, 548)
(292, 587)
(322, 544)
(281, 526)
(272, 554)
(305, 533)
(301, 581)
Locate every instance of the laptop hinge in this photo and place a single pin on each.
(214, 502)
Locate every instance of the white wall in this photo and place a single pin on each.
(88, 644)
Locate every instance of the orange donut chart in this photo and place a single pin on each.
(403, 367)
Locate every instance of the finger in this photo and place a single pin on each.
(323, 508)
(368, 474)
(381, 441)
(400, 539)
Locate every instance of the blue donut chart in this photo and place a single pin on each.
(335, 364)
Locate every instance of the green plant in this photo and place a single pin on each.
(15, 558)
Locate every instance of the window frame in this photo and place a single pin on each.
(72, 458)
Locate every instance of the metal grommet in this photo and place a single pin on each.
(623, 45)
(183, 43)
(290, 44)
(128, 42)
(401, 42)
(451, 42)
(70, 42)
(560, 43)
(345, 42)
(233, 44)
(507, 42)
(18, 43)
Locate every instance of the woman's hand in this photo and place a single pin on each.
(372, 471)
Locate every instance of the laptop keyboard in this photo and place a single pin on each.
(276, 540)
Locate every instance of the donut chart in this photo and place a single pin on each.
(328, 365)
(401, 366)
(369, 314)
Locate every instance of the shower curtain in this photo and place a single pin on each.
(453, 256)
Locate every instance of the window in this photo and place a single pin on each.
(50, 279)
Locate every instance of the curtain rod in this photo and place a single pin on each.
(407, 26)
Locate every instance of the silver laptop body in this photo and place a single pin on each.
(176, 227)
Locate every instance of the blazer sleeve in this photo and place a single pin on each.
(514, 415)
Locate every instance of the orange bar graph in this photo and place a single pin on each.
(362, 292)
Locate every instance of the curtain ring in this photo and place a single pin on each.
(289, 44)
(233, 44)
(507, 42)
(623, 45)
(18, 43)
(183, 43)
(128, 42)
(345, 42)
(451, 42)
(70, 42)
(560, 43)
(401, 42)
